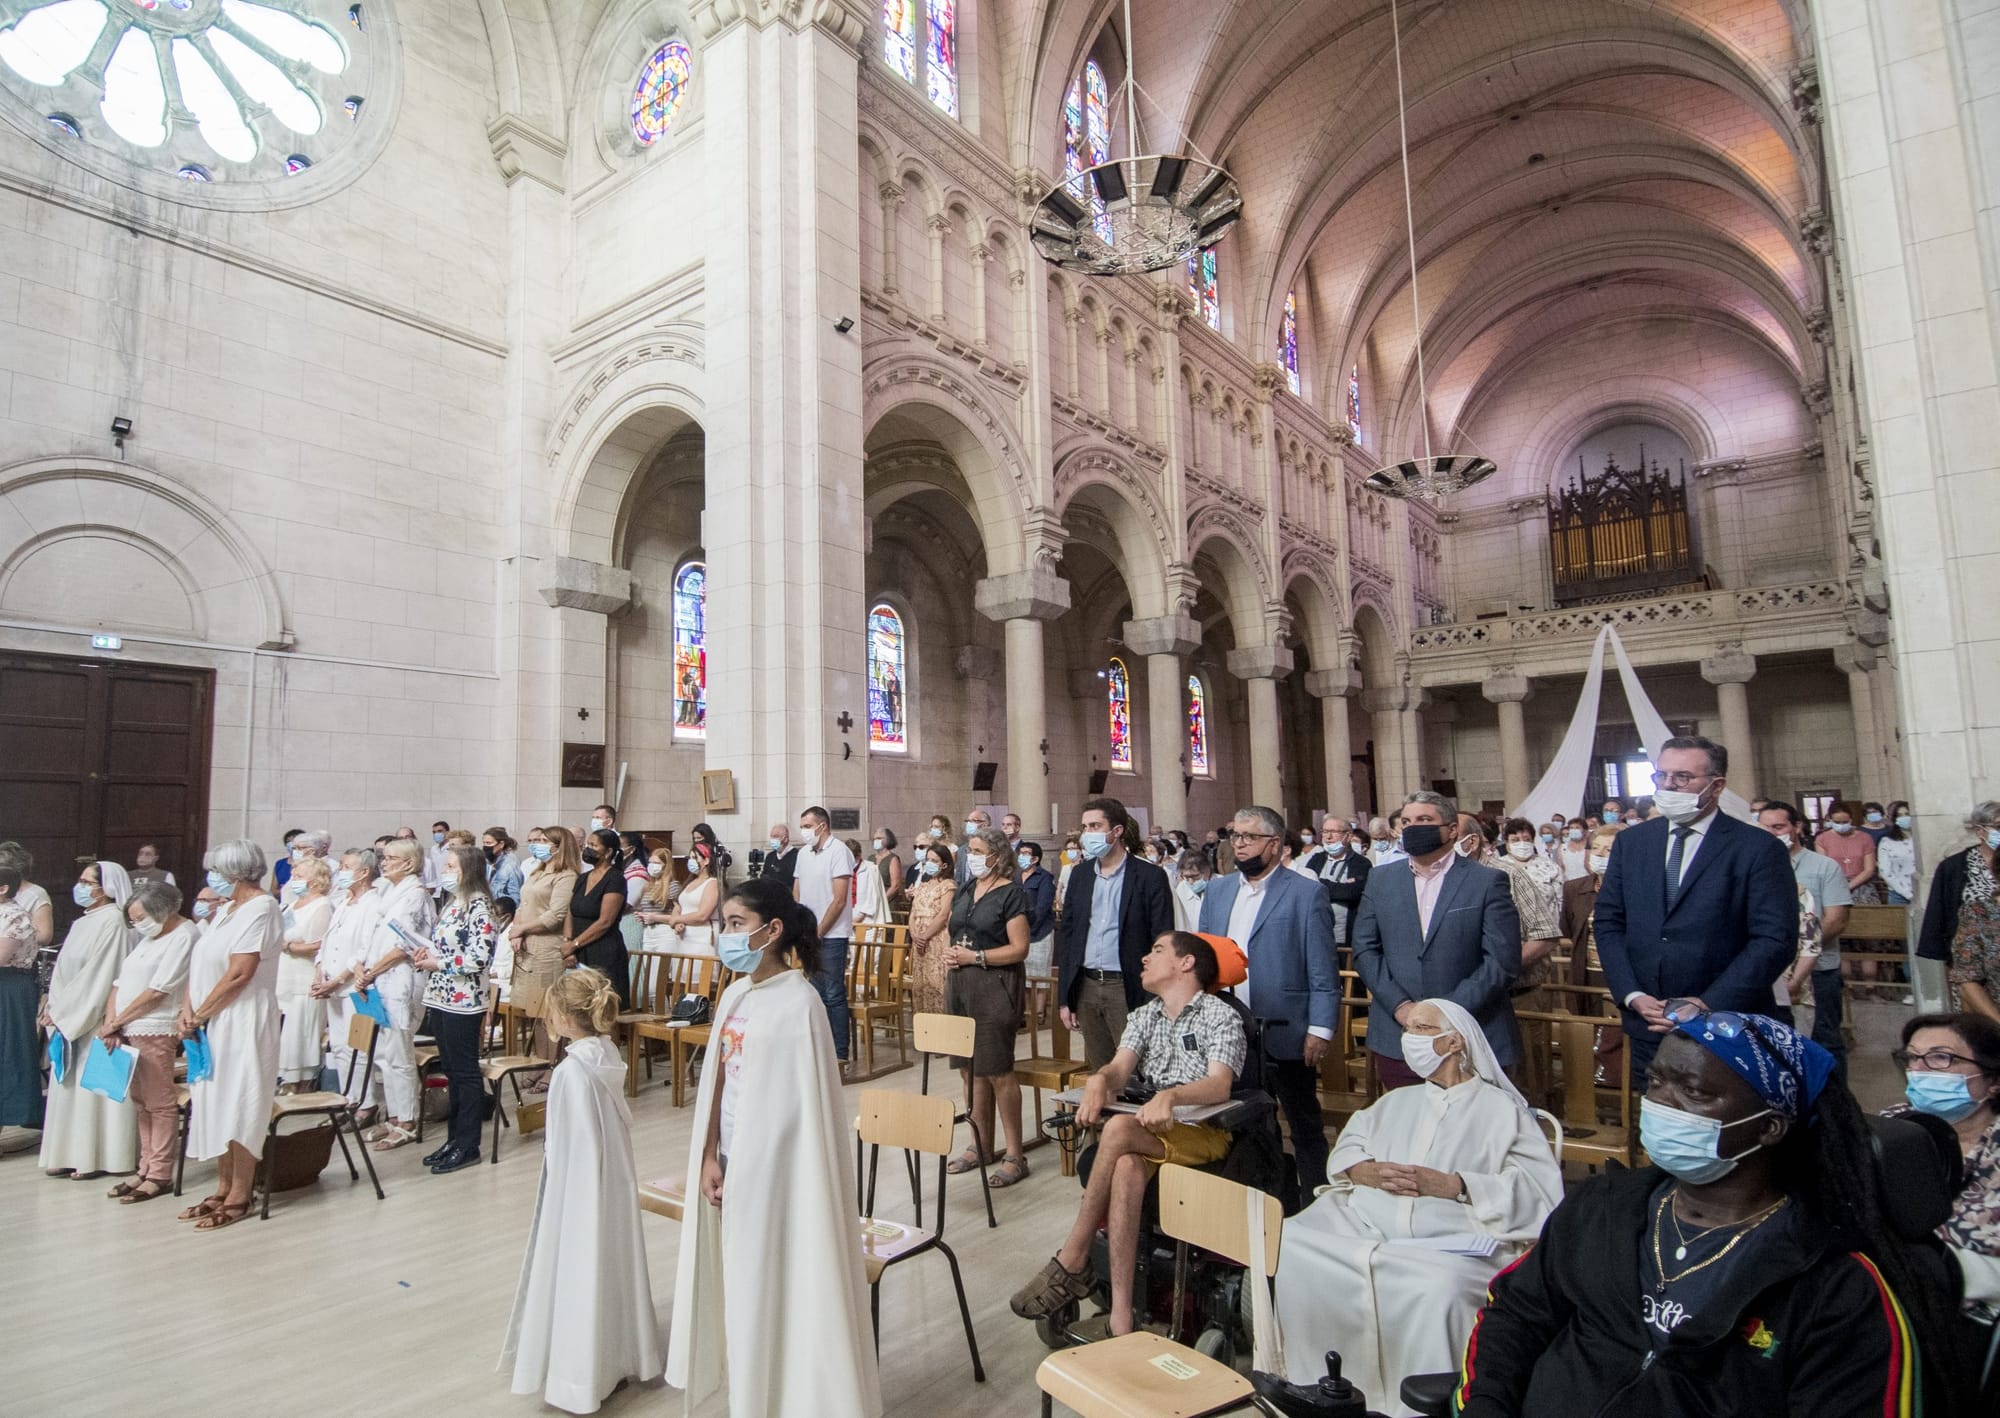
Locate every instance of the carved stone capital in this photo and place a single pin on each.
(1805, 92)
(1173, 302)
(981, 254)
(1816, 231)
(1163, 635)
(847, 21)
(1393, 699)
(1817, 398)
(1260, 662)
(523, 150)
(1268, 379)
(1506, 685)
(1730, 664)
(1035, 594)
(938, 225)
(1342, 436)
(893, 194)
(1856, 658)
(575, 584)
(1333, 684)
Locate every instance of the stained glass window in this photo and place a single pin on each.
(691, 652)
(661, 90)
(1288, 341)
(1118, 693)
(1087, 141)
(1201, 285)
(888, 729)
(899, 36)
(1197, 712)
(1354, 402)
(941, 56)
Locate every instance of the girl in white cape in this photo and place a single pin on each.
(583, 1319)
(771, 1283)
(1458, 1157)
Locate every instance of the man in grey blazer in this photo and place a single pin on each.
(1285, 926)
(1436, 925)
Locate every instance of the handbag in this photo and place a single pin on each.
(691, 1009)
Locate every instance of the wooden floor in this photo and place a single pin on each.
(340, 1304)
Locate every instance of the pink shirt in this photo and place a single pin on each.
(1430, 882)
(1851, 850)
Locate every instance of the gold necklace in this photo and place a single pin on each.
(1681, 1250)
(1659, 1263)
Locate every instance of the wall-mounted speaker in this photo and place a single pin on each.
(1099, 779)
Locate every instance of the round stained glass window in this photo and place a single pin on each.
(661, 91)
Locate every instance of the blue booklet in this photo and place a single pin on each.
(58, 1055)
(108, 1072)
(368, 1003)
(200, 1062)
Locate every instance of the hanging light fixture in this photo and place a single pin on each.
(1435, 476)
(1158, 209)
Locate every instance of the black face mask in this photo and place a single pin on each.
(1251, 869)
(492, 853)
(1420, 839)
(592, 857)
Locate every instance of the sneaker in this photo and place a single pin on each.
(1052, 1289)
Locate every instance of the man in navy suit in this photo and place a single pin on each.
(1285, 926)
(1695, 905)
(1434, 924)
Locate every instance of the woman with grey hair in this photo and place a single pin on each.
(1962, 918)
(86, 1134)
(407, 915)
(145, 1003)
(232, 1003)
(357, 909)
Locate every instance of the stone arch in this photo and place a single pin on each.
(1094, 480)
(1685, 410)
(1319, 622)
(166, 536)
(945, 408)
(1232, 571)
(1377, 641)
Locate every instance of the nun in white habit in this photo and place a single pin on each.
(1450, 1163)
(771, 1287)
(583, 1320)
(86, 1134)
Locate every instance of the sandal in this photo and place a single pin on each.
(1052, 1289)
(966, 1161)
(206, 1206)
(122, 1190)
(225, 1215)
(1010, 1171)
(394, 1135)
(145, 1191)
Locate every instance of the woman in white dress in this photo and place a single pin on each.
(407, 915)
(1377, 1267)
(693, 916)
(301, 1044)
(653, 904)
(86, 1134)
(583, 1319)
(357, 909)
(232, 1001)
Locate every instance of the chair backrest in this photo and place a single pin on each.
(1552, 1129)
(360, 1031)
(942, 1034)
(1210, 1212)
(1578, 1041)
(916, 1122)
(1877, 923)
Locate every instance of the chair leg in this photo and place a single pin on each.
(916, 1188)
(499, 1116)
(366, 1160)
(266, 1168)
(875, 1314)
(1048, 1406)
(964, 1313)
(979, 1151)
(340, 1137)
(181, 1157)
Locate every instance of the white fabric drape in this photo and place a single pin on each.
(1561, 788)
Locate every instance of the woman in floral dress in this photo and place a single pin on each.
(930, 930)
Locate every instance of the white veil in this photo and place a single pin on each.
(1479, 1055)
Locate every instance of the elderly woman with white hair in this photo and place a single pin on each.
(232, 1003)
(1387, 1265)
(86, 1134)
(143, 1014)
(344, 949)
(308, 911)
(406, 917)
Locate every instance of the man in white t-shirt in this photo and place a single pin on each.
(823, 882)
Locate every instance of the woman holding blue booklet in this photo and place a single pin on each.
(145, 1004)
(86, 1134)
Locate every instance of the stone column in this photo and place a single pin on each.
(891, 195)
(1163, 641)
(585, 595)
(1507, 691)
(1021, 602)
(1729, 669)
(982, 261)
(1260, 667)
(1858, 663)
(1333, 688)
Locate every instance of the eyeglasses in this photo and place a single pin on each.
(1679, 780)
(1249, 836)
(1930, 1060)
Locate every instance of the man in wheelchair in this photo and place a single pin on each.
(1187, 1046)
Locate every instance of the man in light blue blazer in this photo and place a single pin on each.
(1285, 926)
(1436, 925)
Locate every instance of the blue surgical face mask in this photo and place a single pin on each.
(343, 880)
(777, 844)
(1095, 845)
(1611, 815)
(448, 883)
(541, 851)
(1874, 819)
(929, 868)
(218, 883)
(1993, 838)
(1687, 1145)
(296, 886)
(1843, 828)
(83, 895)
(1336, 848)
(736, 954)
(1905, 822)
(201, 910)
(1198, 885)
(1025, 861)
(1942, 1095)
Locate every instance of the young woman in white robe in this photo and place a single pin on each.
(583, 1320)
(232, 997)
(85, 1134)
(1461, 1155)
(771, 1288)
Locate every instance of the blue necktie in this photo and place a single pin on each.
(1675, 854)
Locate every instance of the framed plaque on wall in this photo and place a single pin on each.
(583, 765)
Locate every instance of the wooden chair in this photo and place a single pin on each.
(875, 970)
(1148, 1375)
(1877, 934)
(507, 1069)
(919, 1125)
(337, 1108)
(710, 979)
(664, 1196)
(1585, 1138)
(950, 1035)
(647, 985)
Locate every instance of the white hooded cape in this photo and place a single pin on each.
(583, 1311)
(791, 1321)
(1348, 1280)
(87, 1131)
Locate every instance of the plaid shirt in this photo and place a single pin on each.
(1178, 1051)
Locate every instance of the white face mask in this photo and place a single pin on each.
(1677, 807)
(1420, 1053)
(975, 862)
(655, 869)
(449, 883)
(878, 844)
(1598, 864)
(146, 928)
(1468, 847)
(1521, 851)
(971, 827)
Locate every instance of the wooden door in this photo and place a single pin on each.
(98, 758)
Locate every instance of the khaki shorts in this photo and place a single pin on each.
(1191, 1145)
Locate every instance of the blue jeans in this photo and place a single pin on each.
(1896, 898)
(1826, 1017)
(831, 982)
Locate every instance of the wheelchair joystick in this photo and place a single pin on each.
(1332, 1397)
